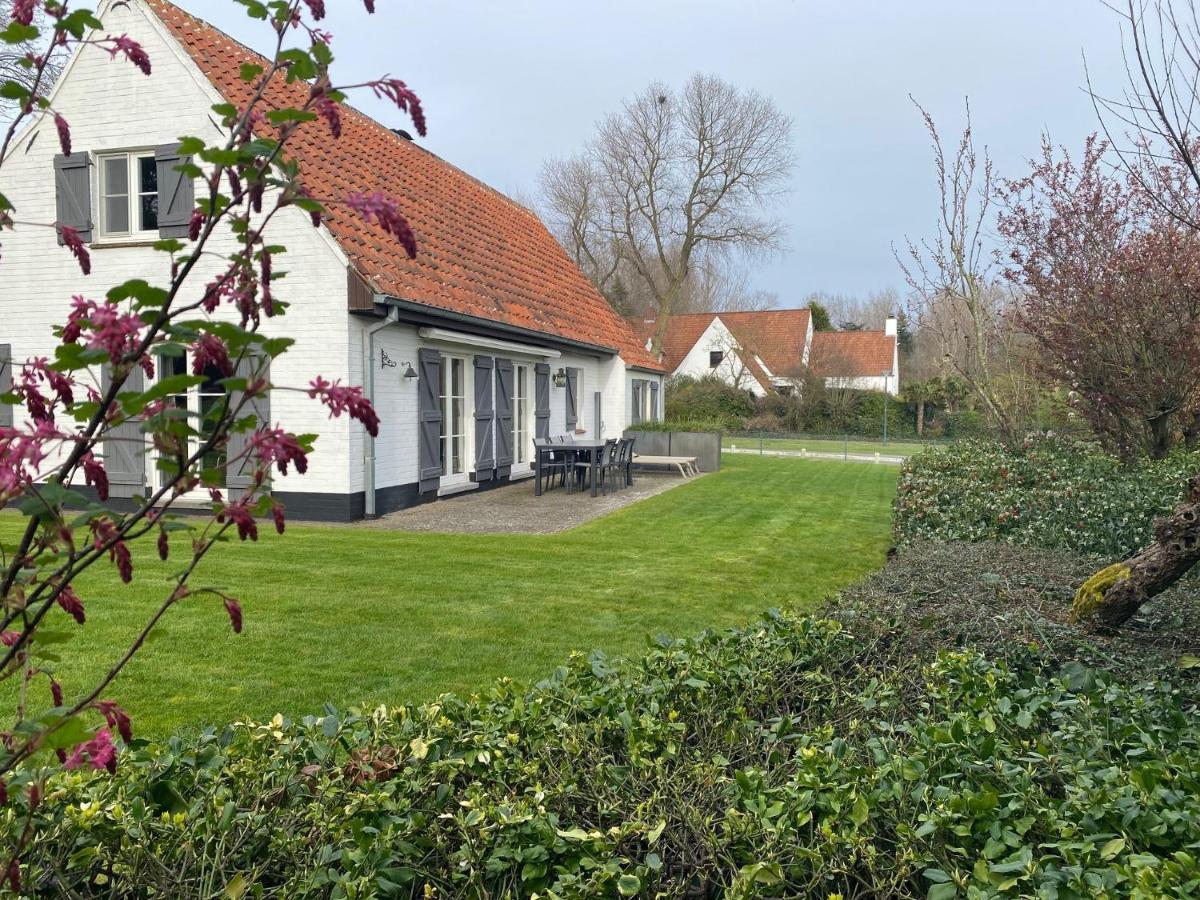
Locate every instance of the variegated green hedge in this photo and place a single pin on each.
(778, 761)
(1048, 493)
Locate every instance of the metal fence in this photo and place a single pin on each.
(844, 446)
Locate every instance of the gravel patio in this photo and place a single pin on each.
(513, 509)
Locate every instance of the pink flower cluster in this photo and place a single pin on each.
(400, 94)
(71, 604)
(345, 399)
(134, 52)
(98, 753)
(21, 456)
(34, 374)
(209, 350)
(107, 328)
(74, 243)
(378, 208)
(105, 533)
(275, 447)
(22, 11)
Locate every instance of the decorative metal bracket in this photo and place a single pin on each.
(386, 362)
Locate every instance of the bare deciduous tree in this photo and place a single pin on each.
(674, 181)
(15, 62)
(958, 299)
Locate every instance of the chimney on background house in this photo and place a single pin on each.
(889, 327)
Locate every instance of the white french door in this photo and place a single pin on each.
(198, 401)
(455, 447)
(522, 407)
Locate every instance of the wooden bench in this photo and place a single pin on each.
(685, 464)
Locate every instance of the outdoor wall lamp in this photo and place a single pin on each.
(560, 378)
(409, 371)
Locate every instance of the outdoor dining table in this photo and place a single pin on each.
(593, 449)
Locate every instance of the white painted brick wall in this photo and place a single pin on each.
(112, 106)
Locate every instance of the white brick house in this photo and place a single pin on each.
(489, 337)
(773, 350)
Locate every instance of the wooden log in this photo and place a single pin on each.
(1114, 594)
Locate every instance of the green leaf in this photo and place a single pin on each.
(1112, 848)
(236, 887)
(859, 813)
(572, 834)
(1188, 661)
(942, 892)
(628, 885)
(656, 832)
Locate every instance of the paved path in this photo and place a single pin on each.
(806, 454)
(513, 509)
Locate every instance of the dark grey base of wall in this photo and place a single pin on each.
(310, 507)
(352, 507)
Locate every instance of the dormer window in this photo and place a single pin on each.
(128, 194)
(715, 358)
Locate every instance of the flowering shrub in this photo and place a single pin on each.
(776, 761)
(244, 180)
(1047, 492)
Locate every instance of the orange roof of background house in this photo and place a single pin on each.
(479, 253)
(775, 336)
(852, 354)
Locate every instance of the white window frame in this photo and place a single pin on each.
(580, 394)
(522, 439)
(446, 399)
(133, 199)
(193, 403)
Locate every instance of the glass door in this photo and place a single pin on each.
(521, 445)
(198, 402)
(454, 447)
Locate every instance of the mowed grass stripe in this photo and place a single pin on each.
(352, 616)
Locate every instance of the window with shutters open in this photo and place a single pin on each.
(128, 193)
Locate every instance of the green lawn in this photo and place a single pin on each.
(355, 615)
(829, 445)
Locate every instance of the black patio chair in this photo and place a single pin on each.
(554, 463)
(584, 465)
(626, 457)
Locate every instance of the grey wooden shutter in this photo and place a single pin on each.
(572, 399)
(654, 417)
(485, 414)
(176, 193)
(504, 417)
(637, 401)
(429, 420)
(239, 472)
(541, 400)
(6, 411)
(124, 446)
(73, 193)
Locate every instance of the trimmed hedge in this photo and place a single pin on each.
(777, 761)
(1048, 492)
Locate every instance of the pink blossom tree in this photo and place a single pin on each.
(245, 181)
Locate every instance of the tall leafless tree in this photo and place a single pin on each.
(14, 60)
(958, 297)
(670, 183)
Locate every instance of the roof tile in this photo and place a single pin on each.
(479, 253)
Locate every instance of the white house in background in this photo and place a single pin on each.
(771, 350)
(490, 337)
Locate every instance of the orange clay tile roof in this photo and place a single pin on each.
(852, 354)
(479, 253)
(776, 336)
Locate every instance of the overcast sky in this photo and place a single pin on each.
(506, 85)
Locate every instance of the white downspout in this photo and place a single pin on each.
(368, 348)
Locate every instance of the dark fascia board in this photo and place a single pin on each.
(413, 313)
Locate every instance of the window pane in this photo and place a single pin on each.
(116, 215)
(147, 175)
(458, 456)
(149, 212)
(116, 176)
(456, 412)
(458, 378)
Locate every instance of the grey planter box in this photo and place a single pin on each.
(704, 445)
